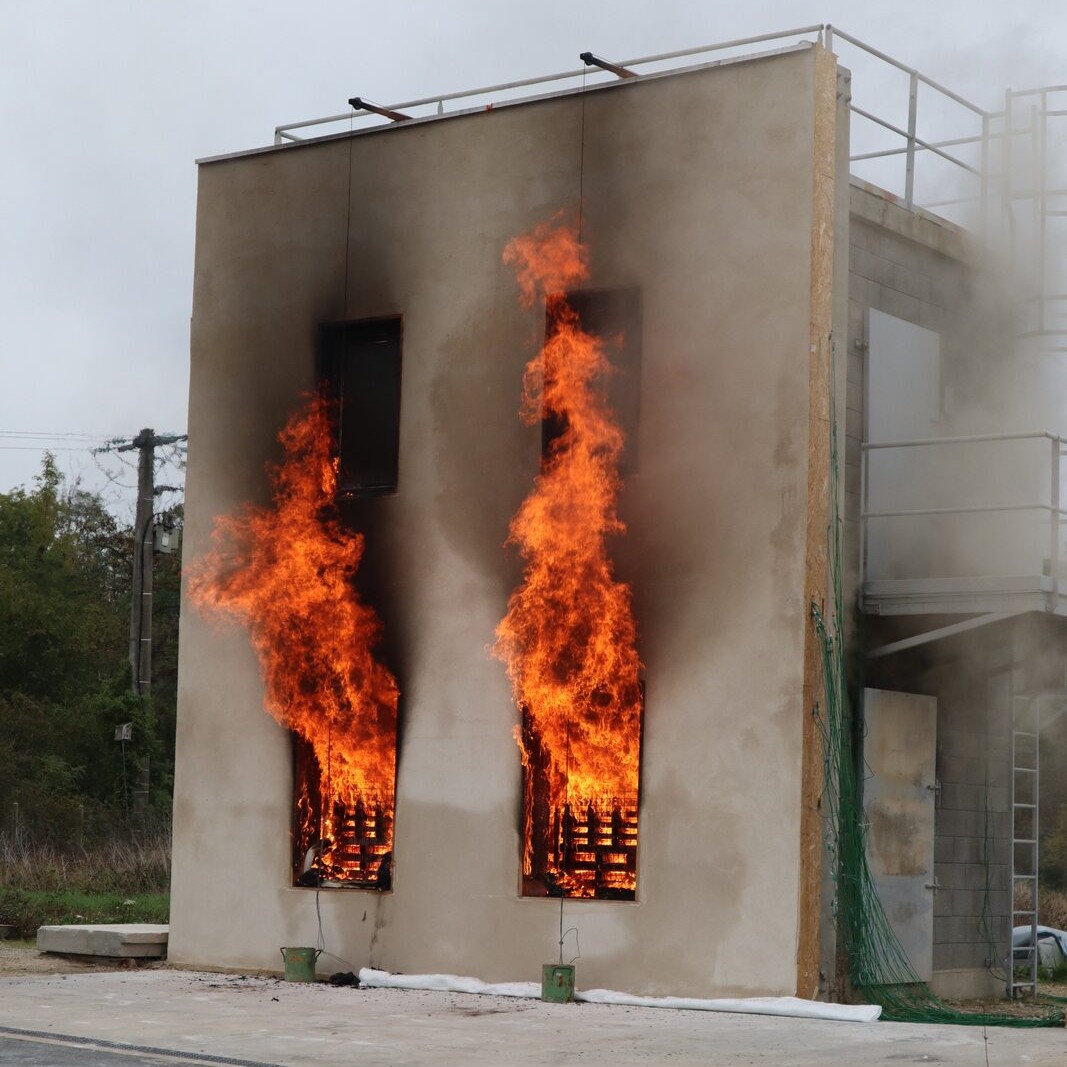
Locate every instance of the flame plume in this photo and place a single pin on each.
(286, 572)
(569, 638)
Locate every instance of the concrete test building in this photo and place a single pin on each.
(763, 294)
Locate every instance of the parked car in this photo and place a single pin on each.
(1051, 946)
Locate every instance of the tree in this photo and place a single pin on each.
(65, 565)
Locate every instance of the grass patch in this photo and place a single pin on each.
(125, 879)
(26, 909)
(122, 865)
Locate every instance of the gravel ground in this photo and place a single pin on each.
(188, 1017)
(109, 1013)
(22, 957)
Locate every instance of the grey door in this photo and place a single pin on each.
(899, 753)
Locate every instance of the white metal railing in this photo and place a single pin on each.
(989, 138)
(504, 91)
(1035, 244)
(1051, 507)
(912, 145)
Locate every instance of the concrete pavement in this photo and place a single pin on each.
(121, 1019)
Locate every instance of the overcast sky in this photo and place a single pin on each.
(105, 105)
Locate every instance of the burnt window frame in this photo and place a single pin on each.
(338, 350)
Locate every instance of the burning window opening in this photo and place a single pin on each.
(584, 849)
(337, 845)
(360, 366)
(569, 637)
(614, 316)
(287, 573)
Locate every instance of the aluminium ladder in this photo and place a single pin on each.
(1025, 793)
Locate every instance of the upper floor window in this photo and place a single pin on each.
(360, 363)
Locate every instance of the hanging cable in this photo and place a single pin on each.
(581, 161)
(348, 211)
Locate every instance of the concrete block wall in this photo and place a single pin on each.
(972, 849)
(913, 266)
(975, 678)
(907, 264)
(920, 269)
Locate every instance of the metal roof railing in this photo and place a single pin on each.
(912, 145)
(959, 158)
(506, 91)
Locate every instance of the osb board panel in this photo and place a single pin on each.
(815, 577)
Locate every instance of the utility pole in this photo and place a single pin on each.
(145, 443)
(141, 598)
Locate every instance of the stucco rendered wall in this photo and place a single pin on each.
(695, 187)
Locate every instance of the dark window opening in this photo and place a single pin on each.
(360, 366)
(613, 315)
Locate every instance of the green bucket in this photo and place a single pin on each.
(299, 964)
(557, 982)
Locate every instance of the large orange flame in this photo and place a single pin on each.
(286, 572)
(569, 639)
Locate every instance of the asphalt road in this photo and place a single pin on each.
(25, 1051)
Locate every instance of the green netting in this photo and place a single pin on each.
(878, 967)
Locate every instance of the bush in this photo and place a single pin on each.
(26, 910)
(1054, 848)
(122, 865)
(125, 879)
(1052, 908)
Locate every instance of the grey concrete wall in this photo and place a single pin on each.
(921, 269)
(972, 847)
(697, 188)
(907, 264)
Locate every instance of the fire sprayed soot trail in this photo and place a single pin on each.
(286, 573)
(569, 638)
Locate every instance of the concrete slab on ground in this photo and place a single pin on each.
(123, 940)
(267, 1021)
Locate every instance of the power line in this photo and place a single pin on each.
(171, 449)
(58, 435)
(49, 441)
(39, 448)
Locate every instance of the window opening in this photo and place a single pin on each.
(580, 832)
(614, 316)
(360, 364)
